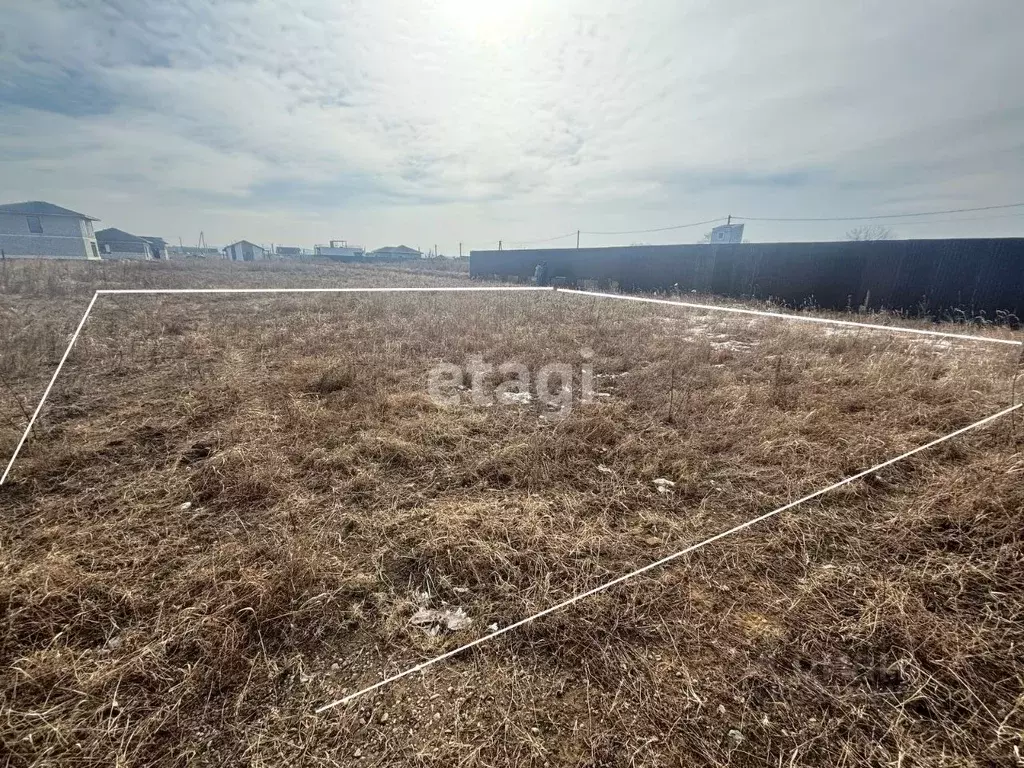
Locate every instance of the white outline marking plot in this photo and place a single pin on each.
(622, 297)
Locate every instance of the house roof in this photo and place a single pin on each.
(154, 240)
(114, 235)
(39, 208)
(398, 248)
(244, 242)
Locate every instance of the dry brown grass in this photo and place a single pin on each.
(233, 506)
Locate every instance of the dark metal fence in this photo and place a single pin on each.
(936, 277)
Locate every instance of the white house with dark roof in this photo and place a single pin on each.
(38, 230)
(243, 250)
(118, 244)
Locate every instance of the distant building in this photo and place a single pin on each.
(727, 233)
(39, 230)
(159, 247)
(243, 250)
(340, 250)
(396, 252)
(118, 244)
(288, 251)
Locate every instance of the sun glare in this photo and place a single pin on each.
(486, 20)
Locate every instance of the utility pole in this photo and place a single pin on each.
(728, 222)
(460, 250)
(577, 239)
(499, 245)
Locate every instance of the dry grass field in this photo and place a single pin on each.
(233, 508)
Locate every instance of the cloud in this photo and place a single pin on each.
(476, 120)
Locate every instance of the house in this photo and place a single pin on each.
(243, 250)
(118, 244)
(727, 233)
(38, 230)
(288, 251)
(396, 252)
(159, 247)
(340, 250)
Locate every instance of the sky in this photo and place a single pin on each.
(440, 122)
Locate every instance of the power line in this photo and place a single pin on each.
(658, 229)
(544, 240)
(890, 215)
(966, 218)
(799, 219)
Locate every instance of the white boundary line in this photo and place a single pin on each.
(661, 562)
(49, 386)
(152, 291)
(463, 289)
(443, 289)
(788, 316)
(397, 289)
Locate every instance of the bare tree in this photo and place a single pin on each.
(706, 238)
(871, 232)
